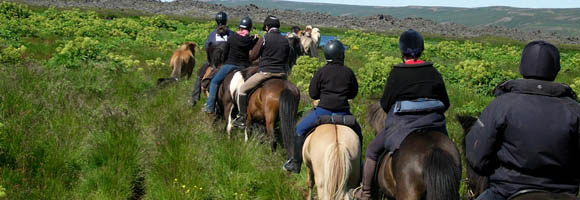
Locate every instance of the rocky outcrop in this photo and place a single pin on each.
(372, 23)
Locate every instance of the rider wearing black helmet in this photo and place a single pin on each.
(220, 34)
(221, 18)
(238, 48)
(528, 136)
(414, 98)
(333, 85)
(273, 50)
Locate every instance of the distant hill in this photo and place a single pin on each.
(563, 21)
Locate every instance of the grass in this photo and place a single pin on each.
(90, 133)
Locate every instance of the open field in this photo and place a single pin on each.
(81, 117)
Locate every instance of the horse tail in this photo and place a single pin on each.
(337, 168)
(176, 62)
(288, 114)
(441, 175)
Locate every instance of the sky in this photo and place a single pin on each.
(457, 3)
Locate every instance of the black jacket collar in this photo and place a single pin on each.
(425, 64)
(535, 87)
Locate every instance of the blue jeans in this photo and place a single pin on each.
(308, 122)
(215, 83)
(490, 195)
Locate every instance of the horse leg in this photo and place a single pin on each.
(270, 123)
(409, 183)
(229, 126)
(310, 182)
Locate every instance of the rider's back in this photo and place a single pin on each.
(537, 140)
(239, 50)
(274, 52)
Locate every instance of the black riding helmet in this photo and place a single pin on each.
(272, 22)
(246, 23)
(411, 44)
(221, 18)
(334, 50)
(540, 60)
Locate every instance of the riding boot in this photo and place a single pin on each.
(240, 120)
(295, 163)
(368, 175)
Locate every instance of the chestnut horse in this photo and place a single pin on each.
(332, 154)
(427, 165)
(477, 184)
(182, 62)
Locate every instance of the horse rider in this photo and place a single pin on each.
(528, 136)
(238, 47)
(273, 50)
(414, 99)
(221, 18)
(333, 84)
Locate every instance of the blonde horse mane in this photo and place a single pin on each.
(315, 35)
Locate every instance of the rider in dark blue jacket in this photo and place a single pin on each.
(528, 137)
(333, 84)
(221, 18)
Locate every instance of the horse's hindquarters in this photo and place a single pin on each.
(333, 154)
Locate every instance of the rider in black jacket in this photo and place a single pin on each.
(528, 137)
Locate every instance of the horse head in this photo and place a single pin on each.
(216, 54)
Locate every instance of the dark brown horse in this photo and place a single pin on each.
(216, 58)
(477, 184)
(427, 165)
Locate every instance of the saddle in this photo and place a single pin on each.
(210, 72)
(345, 120)
(528, 191)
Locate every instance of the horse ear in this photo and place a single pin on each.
(466, 122)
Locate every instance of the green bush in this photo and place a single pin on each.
(304, 70)
(14, 10)
(77, 53)
(576, 85)
(483, 76)
(373, 76)
(11, 55)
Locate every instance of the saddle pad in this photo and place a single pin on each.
(418, 105)
(347, 120)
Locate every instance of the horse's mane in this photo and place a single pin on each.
(377, 117)
(315, 35)
(216, 54)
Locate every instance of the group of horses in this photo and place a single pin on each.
(426, 166)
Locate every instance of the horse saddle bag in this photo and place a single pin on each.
(347, 120)
(418, 106)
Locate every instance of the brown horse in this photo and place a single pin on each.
(182, 63)
(332, 154)
(183, 60)
(276, 100)
(427, 165)
(216, 58)
(477, 184)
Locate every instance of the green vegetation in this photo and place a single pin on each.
(81, 118)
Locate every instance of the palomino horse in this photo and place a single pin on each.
(332, 154)
(427, 165)
(477, 184)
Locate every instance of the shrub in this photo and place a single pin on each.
(77, 53)
(483, 76)
(304, 70)
(11, 55)
(373, 76)
(14, 10)
(576, 85)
